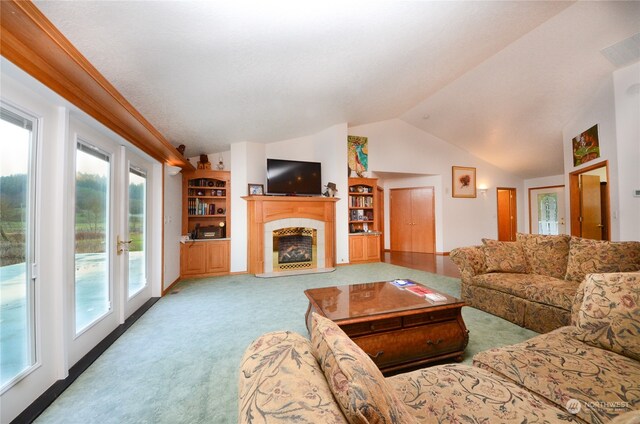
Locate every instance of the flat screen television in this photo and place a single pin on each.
(293, 177)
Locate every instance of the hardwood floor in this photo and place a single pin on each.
(437, 264)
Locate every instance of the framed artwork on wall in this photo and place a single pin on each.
(463, 181)
(358, 155)
(586, 146)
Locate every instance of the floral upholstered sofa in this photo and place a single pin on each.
(586, 373)
(532, 282)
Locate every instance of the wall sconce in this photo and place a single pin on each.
(482, 189)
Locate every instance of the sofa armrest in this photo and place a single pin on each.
(281, 382)
(470, 261)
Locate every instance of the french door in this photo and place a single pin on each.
(110, 260)
(134, 251)
(18, 350)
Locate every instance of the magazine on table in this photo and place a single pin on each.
(403, 283)
(428, 294)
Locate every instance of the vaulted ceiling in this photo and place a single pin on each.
(498, 79)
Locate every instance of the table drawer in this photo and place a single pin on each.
(361, 328)
(412, 344)
(430, 317)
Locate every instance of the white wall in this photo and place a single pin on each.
(600, 111)
(626, 83)
(172, 226)
(555, 180)
(247, 166)
(395, 146)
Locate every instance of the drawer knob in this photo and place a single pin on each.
(431, 342)
(380, 353)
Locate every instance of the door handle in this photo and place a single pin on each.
(122, 245)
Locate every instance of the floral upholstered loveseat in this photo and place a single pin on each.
(586, 373)
(532, 282)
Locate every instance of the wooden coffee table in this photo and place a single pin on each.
(398, 329)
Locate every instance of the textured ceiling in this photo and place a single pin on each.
(499, 79)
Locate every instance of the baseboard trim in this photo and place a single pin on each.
(38, 406)
(442, 253)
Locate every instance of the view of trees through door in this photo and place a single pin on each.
(17, 237)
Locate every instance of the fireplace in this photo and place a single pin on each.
(294, 248)
(266, 214)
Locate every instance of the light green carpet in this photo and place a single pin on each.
(179, 362)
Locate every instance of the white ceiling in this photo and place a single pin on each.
(499, 79)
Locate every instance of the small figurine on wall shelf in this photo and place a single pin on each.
(204, 163)
(331, 190)
(220, 164)
(180, 149)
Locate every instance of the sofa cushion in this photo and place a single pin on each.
(281, 382)
(504, 256)
(596, 256)
(610, 314)
(535, 288)
(559, 367)
(463, 394)
(554, 292)
(356, 382)
(545, 255)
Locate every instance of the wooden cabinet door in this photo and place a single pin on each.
(356, 248)
(192, 258)
(217, 257)
(422, 220)
(412, 220)
(400, 220)
(372, 248)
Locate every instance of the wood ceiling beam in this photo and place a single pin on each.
(32, 42)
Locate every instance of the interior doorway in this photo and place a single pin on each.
(589, 202)
(412, 219)
(507, 214)
(547, 210)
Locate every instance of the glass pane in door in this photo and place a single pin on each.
(17, 335)
(137, 230)
(92, 277)
(548, 214)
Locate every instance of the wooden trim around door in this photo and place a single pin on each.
(574, 198)
(33, 43)
(529, 199)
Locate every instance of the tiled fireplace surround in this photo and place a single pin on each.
(279, 224)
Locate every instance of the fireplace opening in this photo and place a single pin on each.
(294, 248)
